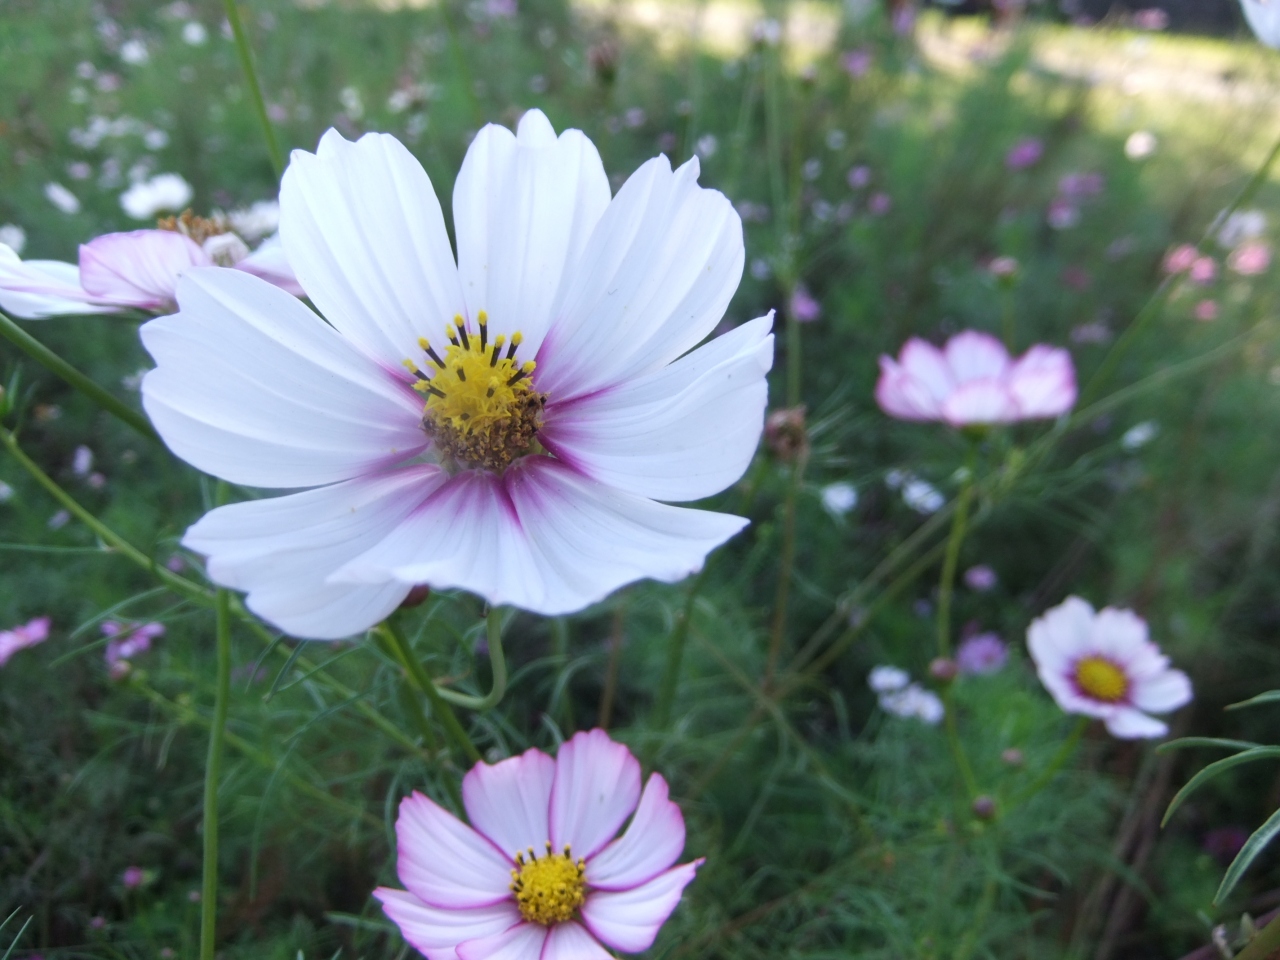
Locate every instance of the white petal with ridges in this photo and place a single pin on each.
(1163, 692)
(684, 432)
(597, 786)
(570, 941)
(141, 267)
(251, 386)
(524, 941)
(1130, 724)
(365, 236)
(444, 862)
(36, 289)
(973, 355)
(509, 801)
(652, 843)
(434, 931)
(629, 920)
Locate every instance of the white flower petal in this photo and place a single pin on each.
(510, 801)
(434, 931)
(282, 550)
(681, 433)
(1130, 724)
(364, 234)
(524, 208)
(36, 289)
(652, 843)
(543, 538)
(979, 401)
(1162, 693)
(570, 941)
(659, 271)
(597, 786)
(270, 263)
(253, 387)
(524, 941)
(973, 355)
(444, 862)
(629, 920)
(140, 268)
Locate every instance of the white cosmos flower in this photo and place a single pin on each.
(505, 423)
(1103, 665)
(165, 192)
(1264, 20)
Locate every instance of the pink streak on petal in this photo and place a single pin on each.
(22, 636)
(653, 841)
(570, 941)
(597, 786)
(510, 801)
(140, 268)
(1043, 382)
(928, 366)
(522, 942)
(436, 932)
(444, 862)
(629, 920)
(973, 356)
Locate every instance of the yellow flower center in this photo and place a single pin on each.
(481, 408)
(548, 889)
(1102, 679)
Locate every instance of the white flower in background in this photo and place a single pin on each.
(922, 496)
(134, 52)
(163, 193)
(1140, 145)
(6, 492)
(1264, 20)
(1103, 665)
(505, 423)
(82, 461)
(1241, 226)
(155, 139)
(194, 34)
(1139, 435)
(839, 498)
(707, 146)
(767, 31)
(914, 702)
(351, 102)
(133, 271)
(885, 679)
(62, 198)
(13, 237)
(257, 220)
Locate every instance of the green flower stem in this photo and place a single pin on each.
(946, 584)
(212, 775)
(255, 88)
(1265, 944)
(418, 674)
(42, 355)
(675, 653)
(1065, 752)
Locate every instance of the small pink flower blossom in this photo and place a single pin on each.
(1206, 311)
(982, 654)
(1204, 271)
(132, 878)
(1003, 268)
(1250, 259)
(129, 640)
(1025, 153)
(803, 308)
(20, 637)
(980, 578)
(539, 874)
(1180, 258)
(973, 380)
(1102, 664)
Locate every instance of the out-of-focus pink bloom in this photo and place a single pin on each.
(859, 177)
(1077, 278)
(1180, 258)
(138, 270)
(973, 380)
(1081, 186)
(539, 873)
(982, 654)
(129, 640)
(1151, 18)
(1250, 259)
(1062, 214)
(1206, 311)
(1025, 153)
(803, 308)
(1204, 271)
(1003, 268)
(879, 204)
(980, 578)
(856, 63)
(20, 637)
(132, 878)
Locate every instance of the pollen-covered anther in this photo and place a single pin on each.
(550, 888)
(198, 229)
(1102, 679)
(481, 409)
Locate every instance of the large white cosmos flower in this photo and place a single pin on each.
(505, 424)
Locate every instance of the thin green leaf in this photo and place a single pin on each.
(1271, 696)
(17, 938)
(1248, 853)
(284, 671)
(1213, 770)
(1187, 742)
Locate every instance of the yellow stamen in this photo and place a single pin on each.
(1102, 679)
(550, 888)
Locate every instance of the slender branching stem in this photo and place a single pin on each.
(255, 88)
(418, 674)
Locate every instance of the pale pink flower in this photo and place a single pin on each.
(128, 640)
(1203, 271)
(138, 270)
(973, 380)
(132, 877)
(1206, 311)
(981, 578)
(541, 873)
(1025, 153)
(1003, 268)
(803, 308)
(505, 423)
(1180, 258)
(1250, 259)
(1062, 214)
(1102, 664)
(982, 654)
(20, 637)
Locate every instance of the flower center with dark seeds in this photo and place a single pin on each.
(481, 409)
(1101, 679)
(548, 889)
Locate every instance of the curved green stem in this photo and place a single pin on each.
(212, 774)
(1059, 760)
(418, 674)
(42, 355)
(497, 664)
(255, 88)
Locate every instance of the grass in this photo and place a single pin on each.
(830, 828)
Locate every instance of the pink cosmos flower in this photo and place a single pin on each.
(1180, 258)
(1250, 259)
(138, 270)
(539, 874)
(1024, 153)
(982, 654)
(132, 877)
(20, 637)
(981, 578)
(1203, 271)
(129, 640)
(973, 380)
(803, 307)
(515, 421)
(1103, 665)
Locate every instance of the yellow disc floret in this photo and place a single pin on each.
(481, 408)
(550, 888)
(1102, 679)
